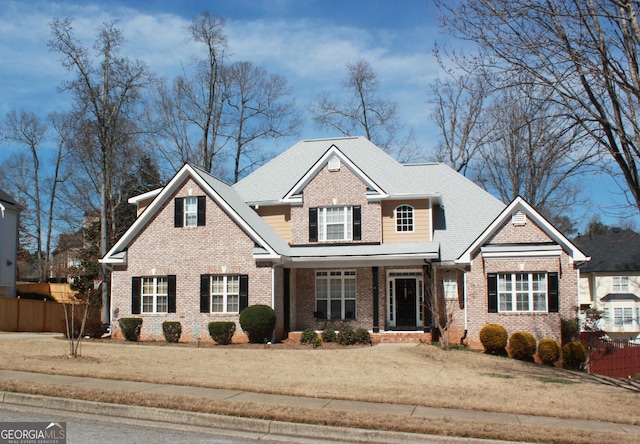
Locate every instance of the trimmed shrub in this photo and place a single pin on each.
(574, 355)
(94, 328)
(258, 322)
(346, 336)
(222, 332)
(522, 346)
(171, 331)
(494, 339)
(130, 328)
(308, 336)
(329, 335)
(362, 336)
(548, 351)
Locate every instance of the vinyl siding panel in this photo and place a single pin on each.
(279, 218)
(422, 222)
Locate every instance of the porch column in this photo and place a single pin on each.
(376, 300)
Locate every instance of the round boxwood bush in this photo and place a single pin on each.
(362, 336)
(329, 335)
(308, 336)
(130, 328)
(172, 331)
(494, 339)
(522, 346)
(222, 332)
(548, 351)
(346, 336)
(574, 355)
(258, 322)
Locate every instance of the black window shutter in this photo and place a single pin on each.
(172, 293)
(492, 287)
(552, 289)
(178, 215)
(313, 225)
(244, 292)
(202, 210)
(205, 294)
(357, 222)
(135, 295)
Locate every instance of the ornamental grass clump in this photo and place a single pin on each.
(258, 322)
(574, 355)
(522, 346)
(494, 339)
(548, 351)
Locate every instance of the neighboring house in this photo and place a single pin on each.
(9, 216)
(611, 281)
(66, 257)
(335, 232)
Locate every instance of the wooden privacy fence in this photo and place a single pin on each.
(18, 314)
(620, 359)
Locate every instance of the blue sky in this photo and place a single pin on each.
(307, 41)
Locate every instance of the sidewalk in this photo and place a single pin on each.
(272, 400)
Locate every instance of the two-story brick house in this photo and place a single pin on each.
(335, 232)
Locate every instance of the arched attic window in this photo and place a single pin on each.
(404, 218)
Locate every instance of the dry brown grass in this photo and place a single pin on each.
(408, 373)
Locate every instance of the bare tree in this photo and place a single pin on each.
(260, 106)
(361, 111)
(26, 129)
(586, 51)
(533, 152)
(106, 94)
(459, 106)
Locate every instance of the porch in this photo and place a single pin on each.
(386, 337)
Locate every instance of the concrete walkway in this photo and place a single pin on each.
(271, 400)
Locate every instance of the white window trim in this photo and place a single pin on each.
(396, 215)
(225, 293)
(347, 223)
(154, 296)
(192, 212)
(450, 281)
(620, 284)
(530, 293)
(342, 275)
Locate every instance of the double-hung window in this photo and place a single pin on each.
(450, 285)
(336, 294)
(338, 223)
(189, 211)
(224, 293)
(620, 284)
(522, 292)
(404, 218)
(623, 315)
(153, 294)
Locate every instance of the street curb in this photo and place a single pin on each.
(233, 423)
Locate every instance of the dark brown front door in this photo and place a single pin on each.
(406, 303)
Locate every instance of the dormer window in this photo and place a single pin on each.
(404, 218)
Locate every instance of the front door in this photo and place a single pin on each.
(406, 311)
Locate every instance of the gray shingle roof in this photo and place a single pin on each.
(466, 211)
(615, 250)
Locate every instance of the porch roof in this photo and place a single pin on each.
(348, 255)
